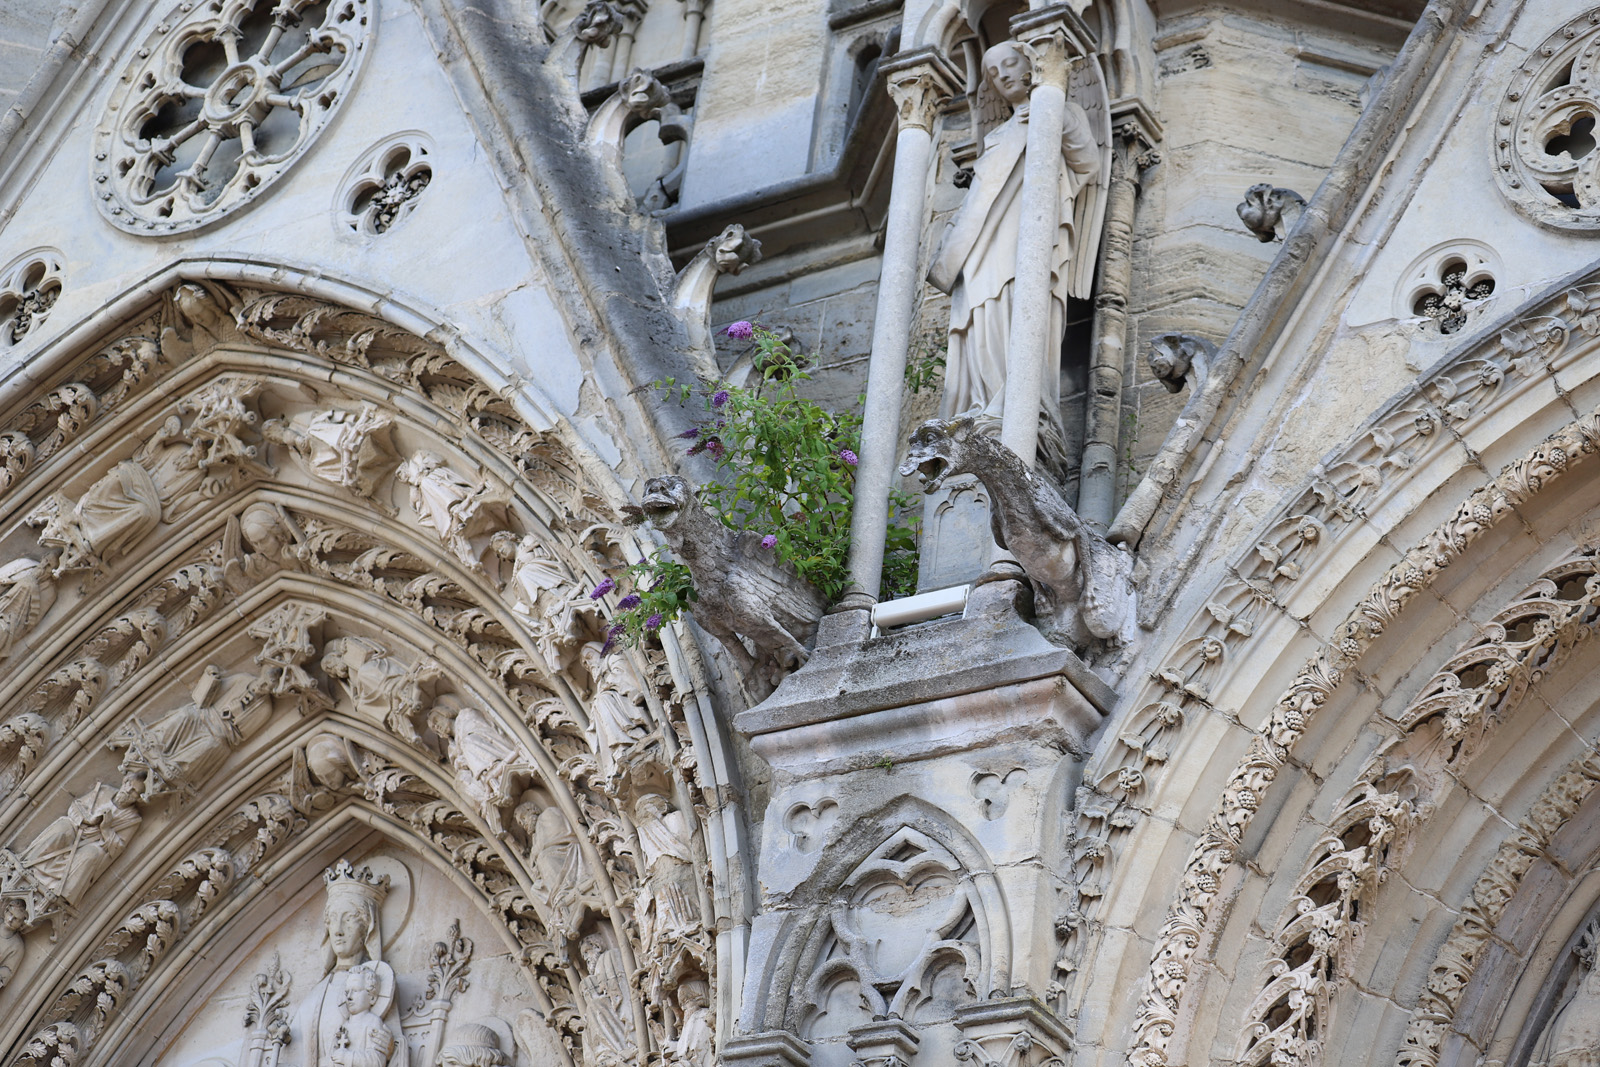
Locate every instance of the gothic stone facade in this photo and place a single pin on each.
(328, 331)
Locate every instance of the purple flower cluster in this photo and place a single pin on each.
(653, 622)
(848, 456)
(629, 602)
(719, 398)
(689, 434)
(613, 632)
(713, 445)
(741, 330)
(769, 540)
(602, 589)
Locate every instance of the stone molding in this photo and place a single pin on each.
(1218, 846)
(1438, 734)
(1285, 570)
(1457, 961)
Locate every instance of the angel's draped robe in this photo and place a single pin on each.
(976, 261)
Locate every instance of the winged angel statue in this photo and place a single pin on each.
(976, 260)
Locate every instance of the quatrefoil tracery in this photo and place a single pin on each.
(219, 101)
(1545, 146)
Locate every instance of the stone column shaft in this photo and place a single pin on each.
(1097, 485)
(1030, 348)
(694, 14)
(919, 84)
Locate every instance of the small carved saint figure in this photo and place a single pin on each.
(383, 688)
(607, 1040)
(1572, 1038)
(13, 920)
(180, 750)
(544, 597)
(113, 515)
(669, 902)
(363, 1040)
(488, 764)
(457, 509)
(69, 855)
(474, 1045)
(557, 862)
(976, 261)
(616, 708)
(255, 546)
(27, 590)
(346, 448)
(695, 1044)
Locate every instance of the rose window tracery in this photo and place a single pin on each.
(1544, 142)
(218, 102)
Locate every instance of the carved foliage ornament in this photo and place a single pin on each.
(1544, 139)
(1214, 854)
(219, 100)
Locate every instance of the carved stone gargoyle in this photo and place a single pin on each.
(743, 589)
(1083, 588)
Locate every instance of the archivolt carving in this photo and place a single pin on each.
(1268, 752)
(1440, 730)
(1458, 958)
(1413, 428)
(560, 784)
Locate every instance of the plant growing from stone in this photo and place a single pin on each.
(788, 473)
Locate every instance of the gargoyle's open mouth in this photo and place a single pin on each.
(929, 471)
(660, 509)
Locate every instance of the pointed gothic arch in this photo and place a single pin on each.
(906, 846)
(283, 567)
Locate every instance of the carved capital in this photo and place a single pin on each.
(890, 1043)
(1013, 1031)
(1053, 37)
(919, 83)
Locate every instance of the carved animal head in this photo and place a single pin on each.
(665, 498)
(644, 94)
(734, 249)
(938, 450)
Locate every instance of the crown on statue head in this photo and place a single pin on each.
(343, 879)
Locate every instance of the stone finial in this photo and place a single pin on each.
(1270, 212)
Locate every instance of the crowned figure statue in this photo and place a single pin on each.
(334, 1024)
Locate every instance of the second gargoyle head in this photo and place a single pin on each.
(939, 448)
(665, 499)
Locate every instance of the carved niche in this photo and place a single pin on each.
(216, 103)
(902, 938)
